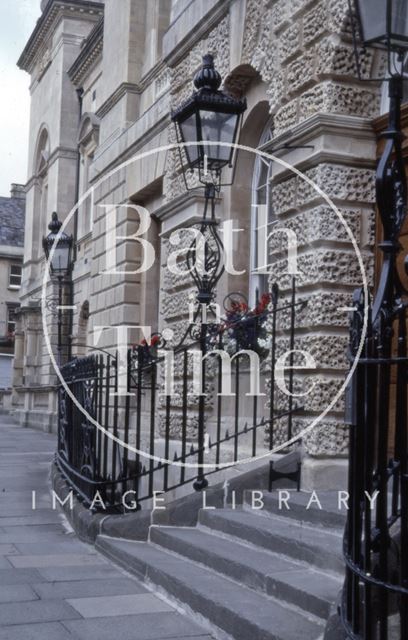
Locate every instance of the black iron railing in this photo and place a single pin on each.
(119, 433)
(375, 598)
(375, 595)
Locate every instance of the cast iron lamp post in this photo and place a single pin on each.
(383, 24)
(376, 557)
(207, 127)
(60, 265)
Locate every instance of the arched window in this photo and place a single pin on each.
(88, 141)
(40, 166)
(261, 218)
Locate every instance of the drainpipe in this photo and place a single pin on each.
(80, 93)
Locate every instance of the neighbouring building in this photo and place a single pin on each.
(104, 79)
(12, 213)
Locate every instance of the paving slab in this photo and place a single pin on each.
(37, 611)
(125, 605)
(44, 631)
(35, 519)
(166, 626)
(19, 576)
(7, 549)
(30, 534)
(96, 572)
(38, 529)
(49, 579)
(71, 545)
(88, 588)
(4, 563)
(16, 593)
(56, 560)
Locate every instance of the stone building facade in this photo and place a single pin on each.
(104, 78)
(11, 264)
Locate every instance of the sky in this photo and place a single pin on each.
(17, 21)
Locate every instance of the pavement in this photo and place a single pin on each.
(52, 585)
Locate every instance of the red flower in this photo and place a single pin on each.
(263, 303)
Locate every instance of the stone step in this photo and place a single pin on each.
(328, 516)
(275, 575)
(234, 609)
(319, 547)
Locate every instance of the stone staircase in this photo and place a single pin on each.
(248, 574)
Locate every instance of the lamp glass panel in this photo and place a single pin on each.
(188, 129)
(399, 20)
(373, 19)
(218, 127)
(60, 259)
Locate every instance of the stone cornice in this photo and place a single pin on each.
(34, 388)
(322, 123)
(89, 56)
(205, 25)
(130, 150)
(168, 210)
(128, 87)
(122, 90)
(52, 13)
(11, 253)
(152, 74)
(322, 132)
(59, 152)
(62, 152)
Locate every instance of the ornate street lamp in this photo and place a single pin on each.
(207, 128)
(208, 124)
(384, 23)
(381, 24)
(60, 266)
(60, 263)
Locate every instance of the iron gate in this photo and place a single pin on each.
(142, 440)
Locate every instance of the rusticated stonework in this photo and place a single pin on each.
(338, 182)
(302, 52)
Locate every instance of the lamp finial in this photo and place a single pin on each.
(55, 224)
(207, 77)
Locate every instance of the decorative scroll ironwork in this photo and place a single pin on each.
(205, 255)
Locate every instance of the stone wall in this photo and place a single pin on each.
(291, 57)
(302, 51)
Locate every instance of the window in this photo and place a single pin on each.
(88, 138)
(261, 219)
(41, 160)
(11, 318)
(15, 276)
